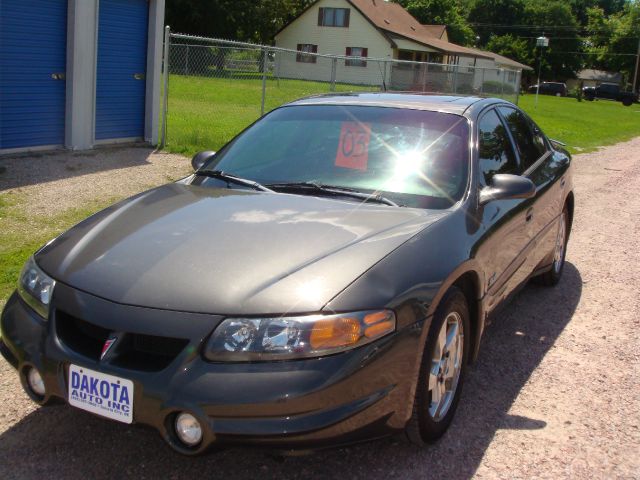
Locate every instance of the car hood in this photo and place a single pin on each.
(211, 250)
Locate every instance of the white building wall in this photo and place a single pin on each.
(332, 41)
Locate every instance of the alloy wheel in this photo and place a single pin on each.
(446, 365)
(558, 257)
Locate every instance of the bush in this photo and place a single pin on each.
(577, 93)
(464, 88)
(494, 86)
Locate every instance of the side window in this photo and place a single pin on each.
(495, 150)
(528, 138)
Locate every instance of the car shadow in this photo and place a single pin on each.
(69, 443)
(34, 168)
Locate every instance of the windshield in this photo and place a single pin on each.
(416, 158)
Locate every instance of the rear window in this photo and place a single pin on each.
(528, 138)
(417, 158)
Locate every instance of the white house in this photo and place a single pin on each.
(593, 78)
(379, 29)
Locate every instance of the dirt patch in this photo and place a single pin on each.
(56, 182)
(554, 394)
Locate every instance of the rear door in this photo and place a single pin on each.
(542, 167)
(33, 44)
(122, 63)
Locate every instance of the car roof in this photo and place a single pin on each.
(416, 101)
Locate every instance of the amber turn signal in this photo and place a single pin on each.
(335, 332)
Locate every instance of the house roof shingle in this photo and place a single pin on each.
(599, 75)
(502, 60)
(392, 18)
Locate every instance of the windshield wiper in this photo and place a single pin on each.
(219, 174)
(333, 190)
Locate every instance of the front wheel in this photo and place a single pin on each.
(442, 370)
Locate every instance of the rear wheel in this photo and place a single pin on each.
(627, 102)
(442, 370)
(552, 277)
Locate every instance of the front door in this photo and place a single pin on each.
(504, 252)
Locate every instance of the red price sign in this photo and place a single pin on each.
(353, 149)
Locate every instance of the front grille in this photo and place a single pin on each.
(133, 351)
(82, 337)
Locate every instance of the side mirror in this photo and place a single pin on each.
(506, 187)
(200, 158)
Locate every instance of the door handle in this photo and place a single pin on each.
(529, 215)
(58, 76)
(138, 76)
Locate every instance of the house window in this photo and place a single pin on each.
(306, 48)
(333, 17)
(405, 55)
(356, 52)
(511, 76)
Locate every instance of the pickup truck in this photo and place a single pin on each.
(609, 91)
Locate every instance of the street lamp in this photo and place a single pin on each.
(541, 42)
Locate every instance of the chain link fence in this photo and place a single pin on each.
(215, 88)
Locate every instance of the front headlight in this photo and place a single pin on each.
(36, 287)
(255, 339)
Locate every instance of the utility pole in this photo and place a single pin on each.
(635, 73)
(541, 42)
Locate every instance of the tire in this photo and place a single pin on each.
(430, 420)
(552, 277)
(558, 94)
(627, 102)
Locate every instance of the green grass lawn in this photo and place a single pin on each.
(22, 234)
(205, 113)
(583, 126)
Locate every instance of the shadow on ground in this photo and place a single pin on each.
(68, 443)
(29, 169)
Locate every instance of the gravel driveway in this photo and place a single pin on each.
(555, 393)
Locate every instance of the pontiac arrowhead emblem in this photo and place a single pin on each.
(107, 346)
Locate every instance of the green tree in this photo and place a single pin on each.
(249, 20)
(561, 59)
(442, 12)
(486, 13)
(515, 48)
(611, 36)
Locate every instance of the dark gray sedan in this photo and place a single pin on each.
(323, 279)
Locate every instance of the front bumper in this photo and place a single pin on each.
(303, 404)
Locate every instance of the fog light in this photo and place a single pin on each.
(34, 379)
(188, 429)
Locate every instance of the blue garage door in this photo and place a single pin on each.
(122, 63)
(33, 43)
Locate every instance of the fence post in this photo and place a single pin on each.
(502, 83)
(517, 85)
(165, 93)
(455, 78)
(334, 66)
(186, 63)
(265, 53)
(482, 83)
